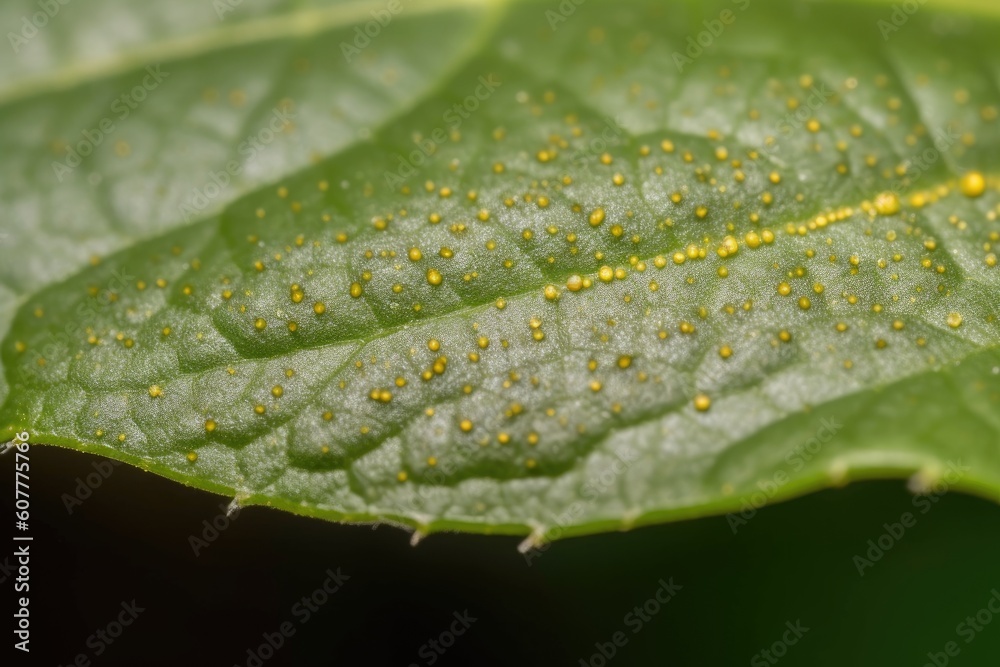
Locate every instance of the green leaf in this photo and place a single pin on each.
(515, 267)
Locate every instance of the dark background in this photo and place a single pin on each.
(791, 562)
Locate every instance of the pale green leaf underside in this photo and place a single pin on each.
(295, 346)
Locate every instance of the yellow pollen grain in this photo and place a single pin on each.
(973, 184)
(729, 246)
(887, 203)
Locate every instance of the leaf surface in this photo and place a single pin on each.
(558, 273)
